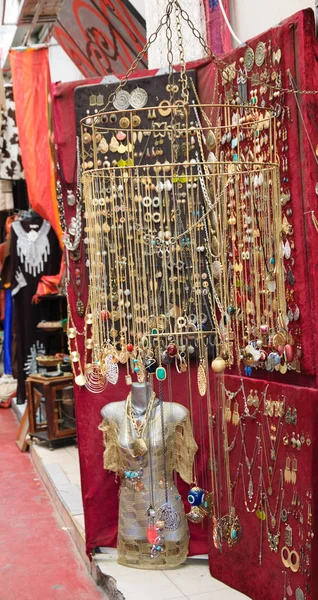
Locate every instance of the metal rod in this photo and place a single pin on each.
(34, 22)
(3, 11)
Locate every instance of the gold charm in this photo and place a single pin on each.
(113, 146)
(103, 146)
(201, 376)
(236, 415)
(140, 447)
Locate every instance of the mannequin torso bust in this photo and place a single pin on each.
(143, 481)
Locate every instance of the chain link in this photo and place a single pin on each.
(164, 448)
(140, 55)
(220, 64)
(183, 76)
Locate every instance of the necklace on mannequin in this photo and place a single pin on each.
(140, 447)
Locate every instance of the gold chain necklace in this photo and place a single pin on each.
(140, 446)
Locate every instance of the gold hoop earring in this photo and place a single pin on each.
(294, 566)
(164, 108)
(285, 561)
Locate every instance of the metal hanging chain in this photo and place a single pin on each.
(183, 76)
(166, 20)
(222, 64)
(140, 55)
(219, 63)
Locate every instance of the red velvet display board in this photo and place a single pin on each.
(100, 491)
(296, 39)
(239, 566)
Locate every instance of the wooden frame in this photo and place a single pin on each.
(24, 427)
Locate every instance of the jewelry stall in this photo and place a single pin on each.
(216, 182)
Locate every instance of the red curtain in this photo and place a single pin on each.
(31, 87)
(218, 34)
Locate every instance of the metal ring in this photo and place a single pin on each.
(192, 319)
(156, 217)
(156, 202)
(181, 322)
(147, 217)
(146, 201)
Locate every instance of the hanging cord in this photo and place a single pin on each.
(228, 24)
(293, 84)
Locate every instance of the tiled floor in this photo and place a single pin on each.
(192, 581)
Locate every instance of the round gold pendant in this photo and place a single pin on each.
(140, 447)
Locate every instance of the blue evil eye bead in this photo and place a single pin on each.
(275, 358)
(248, 371)
(196, 496)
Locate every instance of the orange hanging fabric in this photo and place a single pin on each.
(31, 90)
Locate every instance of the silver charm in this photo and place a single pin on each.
(70, 198)
(250, 489)
(138, 98)
(170, 516)
(288, 536)
(260, 53)
(249, 59)
(122, 100)
(299, 594)
(112, 371)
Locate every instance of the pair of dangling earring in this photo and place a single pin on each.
(253, 399)
(235, 416)
(291, 416)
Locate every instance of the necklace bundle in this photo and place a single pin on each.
(139, 446)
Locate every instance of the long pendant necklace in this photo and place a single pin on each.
(259, 494)
(166, 512)
(71, 235)
(140, 447)
(271, 468)
(250, 463)
(273, 537)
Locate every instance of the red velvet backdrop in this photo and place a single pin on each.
(296, 40)
(266, 582)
